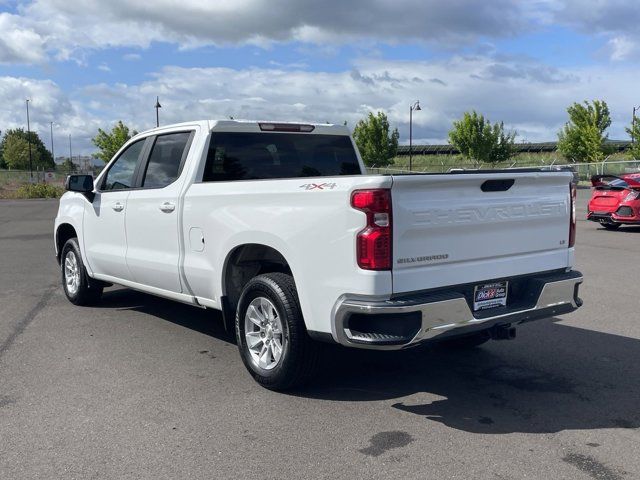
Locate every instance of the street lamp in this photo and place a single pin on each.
(70, 156)
(29, 141)
(157, 107)
(416, 107)
(52, 154)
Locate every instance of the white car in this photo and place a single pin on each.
(279, 226)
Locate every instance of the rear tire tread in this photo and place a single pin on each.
(303, 351)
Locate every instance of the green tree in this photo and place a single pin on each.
(3, 165)
(68, 166)
(376, 144)
(110, 142)
(480, 141)
(15, 152)
(41, 157)
(634, 133)
(583, 137)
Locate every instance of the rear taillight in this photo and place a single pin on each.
(632, 195)
(572, 218)
(373, 243)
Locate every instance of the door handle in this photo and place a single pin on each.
(167, 207)
(118, 207)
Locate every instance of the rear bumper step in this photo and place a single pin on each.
(403, 322)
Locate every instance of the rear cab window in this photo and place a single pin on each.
(166, 159)
(255, 156)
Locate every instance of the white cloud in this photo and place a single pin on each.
(618, 21)
(623, 48)
(597, 16)
(48, 103)
(67, 29)
(18, 42)
(294, 65)
(531, 99)
(72, 26)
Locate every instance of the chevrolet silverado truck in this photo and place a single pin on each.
(279, 226)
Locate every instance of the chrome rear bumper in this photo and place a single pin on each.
(448, 313)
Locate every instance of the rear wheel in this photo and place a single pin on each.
(79, 288)
(468, 341)
(271, 334)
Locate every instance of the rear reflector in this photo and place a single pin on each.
(373, 243)
(286, 127)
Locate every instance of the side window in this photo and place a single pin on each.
(120, 174)
(165, 159)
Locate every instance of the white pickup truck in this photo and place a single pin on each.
(279, 226)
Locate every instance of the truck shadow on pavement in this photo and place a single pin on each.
(208, 322)
(553, 377)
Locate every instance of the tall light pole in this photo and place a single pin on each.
(412, 107)
(52, 154)
(157, 107)
(29, 141)
(633, 123)
(70, 157)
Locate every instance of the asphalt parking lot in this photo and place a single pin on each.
(140, 387)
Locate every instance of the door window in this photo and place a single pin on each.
(120, 174)
(165, 160)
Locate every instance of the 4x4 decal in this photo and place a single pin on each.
(319, 186)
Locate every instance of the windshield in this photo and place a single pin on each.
(252, 156)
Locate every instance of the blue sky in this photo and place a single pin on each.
(86, 63)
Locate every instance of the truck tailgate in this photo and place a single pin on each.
(465, 227)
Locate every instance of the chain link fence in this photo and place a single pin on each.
(54, 176)
(584, 171)
(15, 177)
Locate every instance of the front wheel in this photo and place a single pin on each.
(79, 288)
(271, 334)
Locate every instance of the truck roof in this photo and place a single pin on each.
(254, 126)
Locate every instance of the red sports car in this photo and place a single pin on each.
(615, 201)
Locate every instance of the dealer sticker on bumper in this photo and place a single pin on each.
(490, 295)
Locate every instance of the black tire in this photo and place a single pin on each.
(610, 225)
(85, 291)
(299, 358)
(468, 341)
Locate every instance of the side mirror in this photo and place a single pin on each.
(81, 184)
